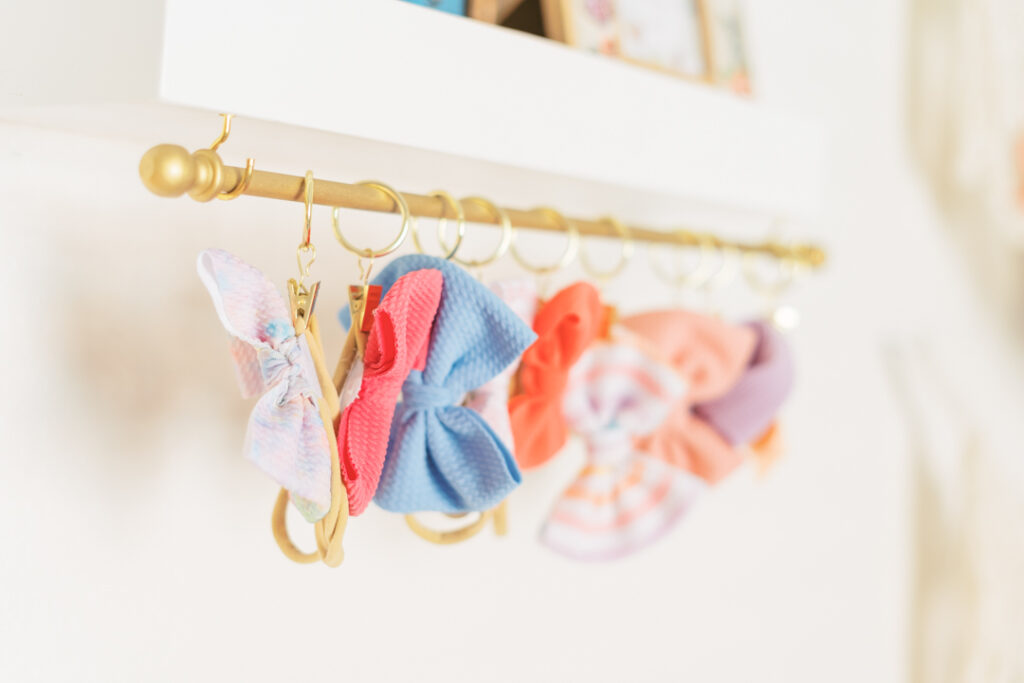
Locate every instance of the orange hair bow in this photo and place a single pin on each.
(710, 355)
(565, 326)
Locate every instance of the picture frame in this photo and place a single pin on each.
(727, 40)
(450, 6)
(673, 36)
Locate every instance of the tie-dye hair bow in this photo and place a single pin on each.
(624, 498)
(286, 436)
(441, 455)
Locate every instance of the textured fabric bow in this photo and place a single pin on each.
(285, 436)
(746, 412)
(401, 328)
(442, 456)
(565, 326)
(710, 355)
(623, 499)
(491, 399)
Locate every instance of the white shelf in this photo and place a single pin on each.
(390, 77)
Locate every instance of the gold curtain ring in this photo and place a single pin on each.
(624, 256)
(442, 223)
(696, 276)
(500, 217)
(399, 202)
(770, 288)
(729, 257)
(571, 246)
(308, 202)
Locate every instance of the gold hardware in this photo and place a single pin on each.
(398, 202)
(243, 184)
(171, 171)
(301, 297)
(624, 255)
(787, 271)
(225, 131)
(442, 224)
(700, 273)
(495, 214)
(250, 163)
(571, 246)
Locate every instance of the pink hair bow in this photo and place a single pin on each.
(623, 499)
(285, 436)
(491, 400)
(710, 355)
(398, 338)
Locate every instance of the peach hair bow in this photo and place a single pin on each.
(565, 326)
(710, 355)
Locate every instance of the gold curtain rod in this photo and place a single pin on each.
(171, 171)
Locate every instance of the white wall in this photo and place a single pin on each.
(136, 542)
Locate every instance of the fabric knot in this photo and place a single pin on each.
(609, 446)
(419, 396)
(283, 365)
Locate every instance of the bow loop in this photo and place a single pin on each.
(708, 353)
(443, 457)
(749, 408)
(285, 435)
(566, 325)
(491, 399)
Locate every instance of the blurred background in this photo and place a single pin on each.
(886, 545)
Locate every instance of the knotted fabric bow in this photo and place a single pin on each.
(401, 328)
(623, 499)
(746, 412)
(565, 326)
(491, 399)
(710, 355)
(285, 436)
(442, 456)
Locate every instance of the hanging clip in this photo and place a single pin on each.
(303, 301)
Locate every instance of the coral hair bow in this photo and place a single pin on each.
(401, 327)
(746, 412)
(285, 436)
(623, 499)
(443, 456)
(566, 325)
(710, 355)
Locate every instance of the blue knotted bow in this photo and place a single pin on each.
(442, 456)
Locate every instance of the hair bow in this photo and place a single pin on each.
(565, 326)
(285, 436)
(747, 410)
(491, 399)
(623, 499)
(711, 356)
(442, 456)
(401, 327)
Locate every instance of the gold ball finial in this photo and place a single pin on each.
(168, 170)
